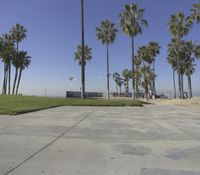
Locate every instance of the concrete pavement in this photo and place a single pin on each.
(154, 140)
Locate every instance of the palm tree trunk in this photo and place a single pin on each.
(133, 69)
(6, 83)
(9, 77)
(182, 88)
(4, 80)
(174, 81)
(16, 71)
(150, 85)
(154, 81)
(127, 86)
(83, 53)
(136, 86)
(179, 85)
(19, 78)
(15, 80)
(137, 82)
(179, 74)
(108, 74)
(190, 86)
(146, 90)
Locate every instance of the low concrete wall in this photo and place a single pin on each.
(76, 94)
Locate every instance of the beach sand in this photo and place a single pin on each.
(195, 101)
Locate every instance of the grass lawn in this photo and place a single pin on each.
(13, 105)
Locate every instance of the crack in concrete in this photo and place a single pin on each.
(49, 144)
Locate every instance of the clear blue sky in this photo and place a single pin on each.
(54, 32)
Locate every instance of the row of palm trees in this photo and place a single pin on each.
(144, 73)
(10, 55)
(131, 22)
(182, 53)
(122, 79)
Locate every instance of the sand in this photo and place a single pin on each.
(195, 101)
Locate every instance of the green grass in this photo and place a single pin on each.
(13, 105)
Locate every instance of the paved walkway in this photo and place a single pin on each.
(154, 140)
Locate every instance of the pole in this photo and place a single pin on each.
(83, 52)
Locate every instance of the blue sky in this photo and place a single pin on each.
(54, 32)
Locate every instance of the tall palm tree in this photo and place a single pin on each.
(189, 63)
(132, 23)
(78, 54)
(154, 50)
(143, 56)
(195, 12)
(127, 74)
(24, 62)
(18, 33)
(7, 53)
(172, 61)
(106, 32)
(83, 52)
(179, 26)
(186, 63)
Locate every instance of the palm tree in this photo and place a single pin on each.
(154, 50)
(24, 62)
(83, 52)
(120, 83)
(172, 61)
(179, 26)
(7, 52)
(106, 32)
(127, 76)
(78, 54)
(148, 77)
(87, 57)
(195, 12)
(132, 23)
(143, 56)
(189, 70)
(188, 64)
(116, 76)
(18, 33)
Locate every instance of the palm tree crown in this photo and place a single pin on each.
(179, 25)
(195, 12)
(87, 54)
(197, 51)
(24, 59)
(154, 49)
(132, 20)
(18, 33)
(106, 32)
(7, 47)
(143, 53)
